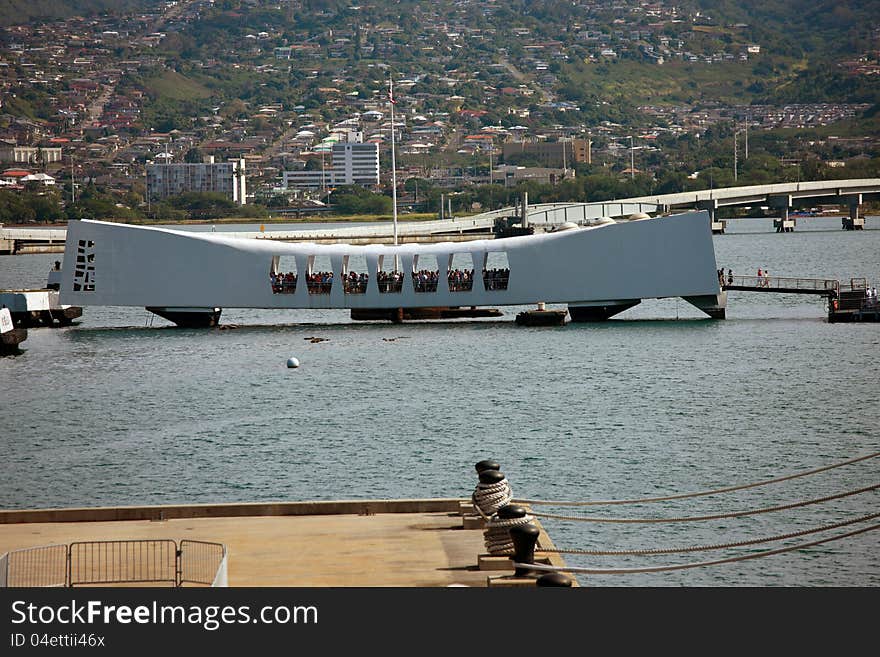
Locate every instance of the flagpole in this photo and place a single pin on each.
(393, 160)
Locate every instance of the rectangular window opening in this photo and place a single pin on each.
(425, 273)
(355, 275)
(389, 277)
(320, 278)
(460, 275)
(496, 273)
(283, 274)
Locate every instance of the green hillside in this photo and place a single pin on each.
(16, 12)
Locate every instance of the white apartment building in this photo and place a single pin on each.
(28, 154)
(350, 164)
(164, 180)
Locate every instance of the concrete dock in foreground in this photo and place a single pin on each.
(369, 543)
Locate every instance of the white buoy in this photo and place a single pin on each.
(292, 362)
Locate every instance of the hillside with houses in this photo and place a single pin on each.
(247, 108)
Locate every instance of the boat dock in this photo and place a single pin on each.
(363, 543)
(33, 308)
(847, 302)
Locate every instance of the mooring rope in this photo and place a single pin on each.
(682, 496)
(715, 516)
(698, 564)
(497, 535)
(488, 498)
(703, 548)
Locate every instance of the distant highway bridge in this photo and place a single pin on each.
(783, 197)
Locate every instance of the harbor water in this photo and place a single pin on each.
(125, 409)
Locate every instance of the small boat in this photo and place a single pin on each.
(541, 317)
(10, 337)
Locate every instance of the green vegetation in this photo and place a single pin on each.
(353, 199)
(16, 12)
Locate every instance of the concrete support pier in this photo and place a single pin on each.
(783, 204)
(189, 317)
(853, 221)
(600, 310)
(714, 305)
(710, 206)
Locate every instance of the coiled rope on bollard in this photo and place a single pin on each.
(698, 564)
(716, 516)
(497, 534)
(683, 496)
(704, 548)
(492, 493)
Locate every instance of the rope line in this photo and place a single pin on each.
(698, 564)
(716, 516)
(682, 496)
(703, 548)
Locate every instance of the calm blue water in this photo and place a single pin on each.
(124, 409)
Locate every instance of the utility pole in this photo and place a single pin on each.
(748, 119)
(632, 159)
(393, 164)
(734, 155)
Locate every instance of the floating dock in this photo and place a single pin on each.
(32, 308)
(847, 302)
(328, 544)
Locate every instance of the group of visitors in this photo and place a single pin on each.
(425, 280)
(355, 283)
(763, 278)
(722, 277)
(496, 279)
(460, 280)
(283, 283)
(871, 297)
(390, 281)
(320, 282)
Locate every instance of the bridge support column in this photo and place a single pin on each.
(853, 221)
(599, 311)
(710, 206)
(784, 224)
(714, 305)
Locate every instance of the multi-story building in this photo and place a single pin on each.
(351, 164)
(164, 180)
(10, 152)
(561, 154)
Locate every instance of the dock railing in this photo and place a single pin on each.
(91, 563)
(829, 287)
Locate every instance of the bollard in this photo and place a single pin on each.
(487, 465)
(491, 477)
(524, 539)
(553, 579)
(510, 511)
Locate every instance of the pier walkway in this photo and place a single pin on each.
(328, 544)
(847, 302)
(821, 286)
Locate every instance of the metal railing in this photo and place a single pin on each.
(783, 284)
(38, 566)
(200, 562)
(94, 563)
(115, 562)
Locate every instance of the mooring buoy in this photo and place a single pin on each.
(292, 362)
